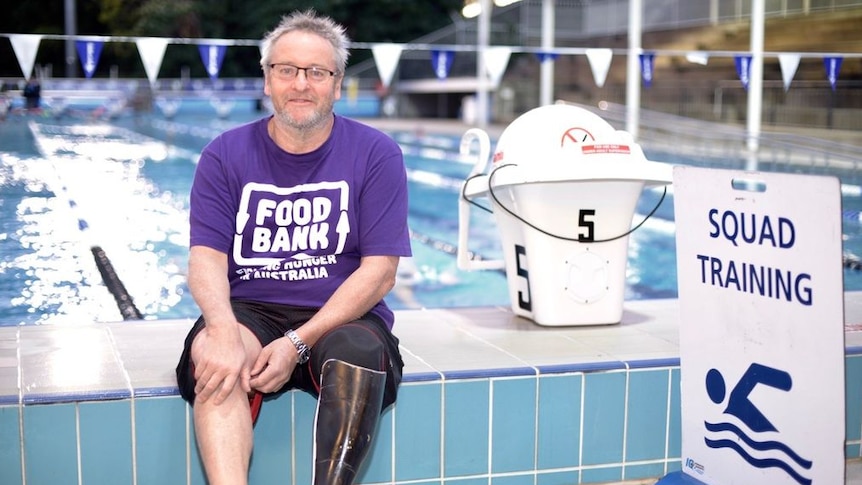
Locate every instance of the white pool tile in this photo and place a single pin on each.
(69, 361)
(149, 350)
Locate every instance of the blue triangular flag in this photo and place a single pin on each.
(88, 53)
(833, 67)
(647, 63)
(212, 55)
(743, 69)
(441, 61)
(546, 56)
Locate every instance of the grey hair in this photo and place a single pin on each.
(308, 21)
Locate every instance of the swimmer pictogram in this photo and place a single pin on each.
(740, 406)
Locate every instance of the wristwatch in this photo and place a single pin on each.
(302, 350)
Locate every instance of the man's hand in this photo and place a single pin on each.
(274, 365)
(220, 363)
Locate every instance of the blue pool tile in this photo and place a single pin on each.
(50, 444)
(853, 397)
(558, 478)
(467, 481)
(559, 430)
(418, 420)
(604, 418)
(10, 446)
(852, 451)
(646, 426)
(526, 479)
(653, 363)
(304, 406)
(378, 465)
(160, 435)
(513, 447)
(644, 471)
(270, 461)
(489, 373)
(674, 429)
(466, 427)
(106, 441)
(602, 475)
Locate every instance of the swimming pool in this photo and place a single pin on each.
(122, 186)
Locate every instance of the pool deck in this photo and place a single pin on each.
(43, 364)
(51, 362)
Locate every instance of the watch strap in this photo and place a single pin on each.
(303, 351)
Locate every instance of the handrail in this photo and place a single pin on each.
(789, 150)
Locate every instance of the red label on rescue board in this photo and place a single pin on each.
(605, 148)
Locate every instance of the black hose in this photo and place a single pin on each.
(115, 285)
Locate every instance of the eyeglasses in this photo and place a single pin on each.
(288, 72)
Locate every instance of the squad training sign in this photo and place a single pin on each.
(761, 326)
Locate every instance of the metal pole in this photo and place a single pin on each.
(755, 85)
(546, 94)
(633, 75)
(70, 29)
(481, 70)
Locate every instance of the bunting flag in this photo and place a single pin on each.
(88, 53)
(600, 63)
(152, 51)
(647, 63)
(546, 56)
(697, 57)
(441, 61)
(386, 57)
(25, 47)
(789, 63)
(212, 56)
(833, 67)
(496, 60)
(743, 69)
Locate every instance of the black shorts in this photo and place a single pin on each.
(365, 342)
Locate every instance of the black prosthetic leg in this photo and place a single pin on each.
(347, 413)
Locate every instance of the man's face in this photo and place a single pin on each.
(301, 101)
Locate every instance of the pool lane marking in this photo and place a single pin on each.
(110, 278)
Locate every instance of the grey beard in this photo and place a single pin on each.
(317, 119)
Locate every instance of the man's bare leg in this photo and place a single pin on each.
(224, 436)
(224, 431)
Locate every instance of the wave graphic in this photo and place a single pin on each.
(760, 446)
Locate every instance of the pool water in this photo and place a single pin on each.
(123, 186)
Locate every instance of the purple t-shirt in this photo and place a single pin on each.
(294, 227)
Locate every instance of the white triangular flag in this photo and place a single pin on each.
(789, 63)
(496, 60)
(697, 57)
(25, 47)
(152, 52)
(386, 57)
(600, 63)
